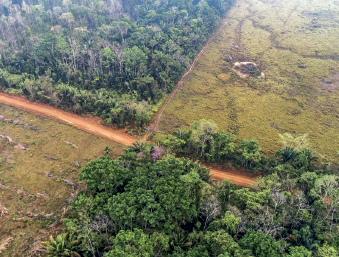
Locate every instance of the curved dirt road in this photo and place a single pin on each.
(156, 120)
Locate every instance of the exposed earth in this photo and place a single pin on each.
(91, 126)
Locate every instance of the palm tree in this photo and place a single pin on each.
(137, 146)
(179, 133)
(61, 246)
(289, 154)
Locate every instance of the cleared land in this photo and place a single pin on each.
(91, 126)
(33, 192)
(296, 45)
(35, 202)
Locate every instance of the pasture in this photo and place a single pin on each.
(295, 44)
(36, 185)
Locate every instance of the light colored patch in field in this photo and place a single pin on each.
(296, 43)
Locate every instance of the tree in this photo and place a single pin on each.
(245, 198)
(210, 207)
(327, 251)
(223, 145)
(128, 243)
(231, 222)
(61, 246)
(261, 245)
(162, 195)
(135, 60)
(104, 175)
(203, 132)
(122, 27)
(249, 153)
(299, 251)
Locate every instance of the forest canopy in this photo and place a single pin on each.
(114, 59)
(149, 203)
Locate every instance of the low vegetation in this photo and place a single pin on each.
(64, 192)
(36, 185)
(294, 44)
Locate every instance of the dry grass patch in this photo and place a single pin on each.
(35, 202)
(295, 42)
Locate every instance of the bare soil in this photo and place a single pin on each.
(86, 124)
(92, 126)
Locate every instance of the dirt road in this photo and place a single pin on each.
(157, 118)
(239, 177)
(93, 127)
(82, 123)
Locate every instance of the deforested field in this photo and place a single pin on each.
(39, 176)
(295, 45)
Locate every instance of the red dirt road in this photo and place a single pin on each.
(82, 123)
(239, 177)
(91, 126)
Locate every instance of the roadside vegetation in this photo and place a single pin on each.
(149, 203)
(294, 45)
(114, 59)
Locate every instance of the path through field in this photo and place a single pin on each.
(156, 120)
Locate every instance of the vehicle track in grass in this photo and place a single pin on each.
(155, 121)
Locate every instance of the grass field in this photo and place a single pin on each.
(295, 43)
(34, 202)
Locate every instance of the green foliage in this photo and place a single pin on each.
(262, 245)
(299, 251)
(149, 203)
(249, 153)
(61, 246)
(245, 198)
(98, 62)
(142, 203)
(327, 251)
(137, 243)
(107, 150)
(104, 175)
(231, 222)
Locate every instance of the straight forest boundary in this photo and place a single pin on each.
(153, 126)
(294, 43)
(93, 127)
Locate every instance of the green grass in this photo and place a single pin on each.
(280, 35)
(26, 170)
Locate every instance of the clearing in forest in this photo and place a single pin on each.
(294, 44)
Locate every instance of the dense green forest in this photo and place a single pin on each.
(150, 203)
(112, 58)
